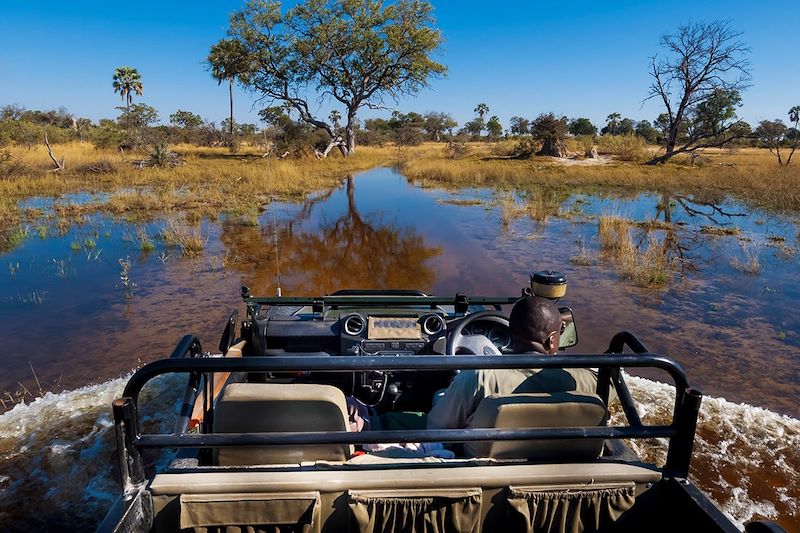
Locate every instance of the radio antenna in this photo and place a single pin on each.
(277, 255)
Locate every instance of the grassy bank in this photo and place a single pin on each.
(210, 180)
(750, 174)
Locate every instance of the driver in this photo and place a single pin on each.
(535, 325)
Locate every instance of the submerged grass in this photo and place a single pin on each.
(189, 238)
(749, 261)
(645, 266)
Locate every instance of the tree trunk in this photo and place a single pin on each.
(553, 147)
(350, 140)
(230, 92)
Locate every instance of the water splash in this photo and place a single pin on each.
(57, 455)
(747, 459)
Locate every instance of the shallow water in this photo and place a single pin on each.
(76, 315)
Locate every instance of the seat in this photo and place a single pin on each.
(273, 407)
(538, 410)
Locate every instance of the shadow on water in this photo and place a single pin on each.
(86, 302)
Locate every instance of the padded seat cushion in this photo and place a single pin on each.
(538, 410)
(276, 407)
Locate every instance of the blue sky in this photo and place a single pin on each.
(520, 57)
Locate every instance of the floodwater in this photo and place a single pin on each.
(82, 305)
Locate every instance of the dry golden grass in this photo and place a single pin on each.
(647, 266)
(749, 174)
(189, 238)
(211, 180)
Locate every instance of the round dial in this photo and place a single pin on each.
(500, 337)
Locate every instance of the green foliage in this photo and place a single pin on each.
(228, 60)
(138, 116)
(288, 135)
(437, 124)
(481, 110)
(127, 82)
(715, 115)
(186, 120)
(474, 127)
(161, 156)
(616, 125)
(493, 127)
(548, 128)
(29, 134)
(358, 52)
(646, 131)
(582, 126)
(519, 126)
(108, 135)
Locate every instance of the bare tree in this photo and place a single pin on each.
(698, 79)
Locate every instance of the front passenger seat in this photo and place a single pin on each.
(277, 407)
(538, 410)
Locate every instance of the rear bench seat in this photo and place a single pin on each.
(369, 497)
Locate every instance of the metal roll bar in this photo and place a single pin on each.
(185, 359)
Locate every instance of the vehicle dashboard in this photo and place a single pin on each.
(284, 330)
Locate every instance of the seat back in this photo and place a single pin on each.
(274, 407)
(538, 410)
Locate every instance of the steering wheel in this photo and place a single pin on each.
(477, 344)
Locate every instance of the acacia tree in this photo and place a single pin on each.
(494, 127)
(704, 67)
(774, 134)
(519, 125)
(356, 52)
(582, 126)
(185, 119)
(127, 81)
(437, 123)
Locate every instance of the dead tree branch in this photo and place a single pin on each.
(59, 165)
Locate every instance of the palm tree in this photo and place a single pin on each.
(228, 61)
(127, 81)
(481, 110)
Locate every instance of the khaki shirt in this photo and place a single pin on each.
(455, 407)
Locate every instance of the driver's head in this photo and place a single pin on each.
(535, 325)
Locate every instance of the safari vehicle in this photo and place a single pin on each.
(264, 444)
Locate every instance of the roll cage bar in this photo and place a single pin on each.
(381, 298)
(188, 358)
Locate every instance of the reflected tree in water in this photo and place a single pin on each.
(679, 241)
(353, 251)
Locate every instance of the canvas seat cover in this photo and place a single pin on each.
(276, 407)
(538, 410)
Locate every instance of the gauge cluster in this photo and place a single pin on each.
(497, 333)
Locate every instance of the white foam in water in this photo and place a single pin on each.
(736, 439)
(57, 454)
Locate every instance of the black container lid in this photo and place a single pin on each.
(549, 277)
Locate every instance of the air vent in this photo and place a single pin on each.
(433, 324)
(354, 325)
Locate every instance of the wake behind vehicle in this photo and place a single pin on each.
(264, 435)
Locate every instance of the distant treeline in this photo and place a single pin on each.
(138, 126)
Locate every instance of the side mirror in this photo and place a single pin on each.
(569, 332)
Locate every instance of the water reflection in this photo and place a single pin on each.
(353, 251)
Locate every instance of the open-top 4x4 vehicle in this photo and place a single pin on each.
(264, 441)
